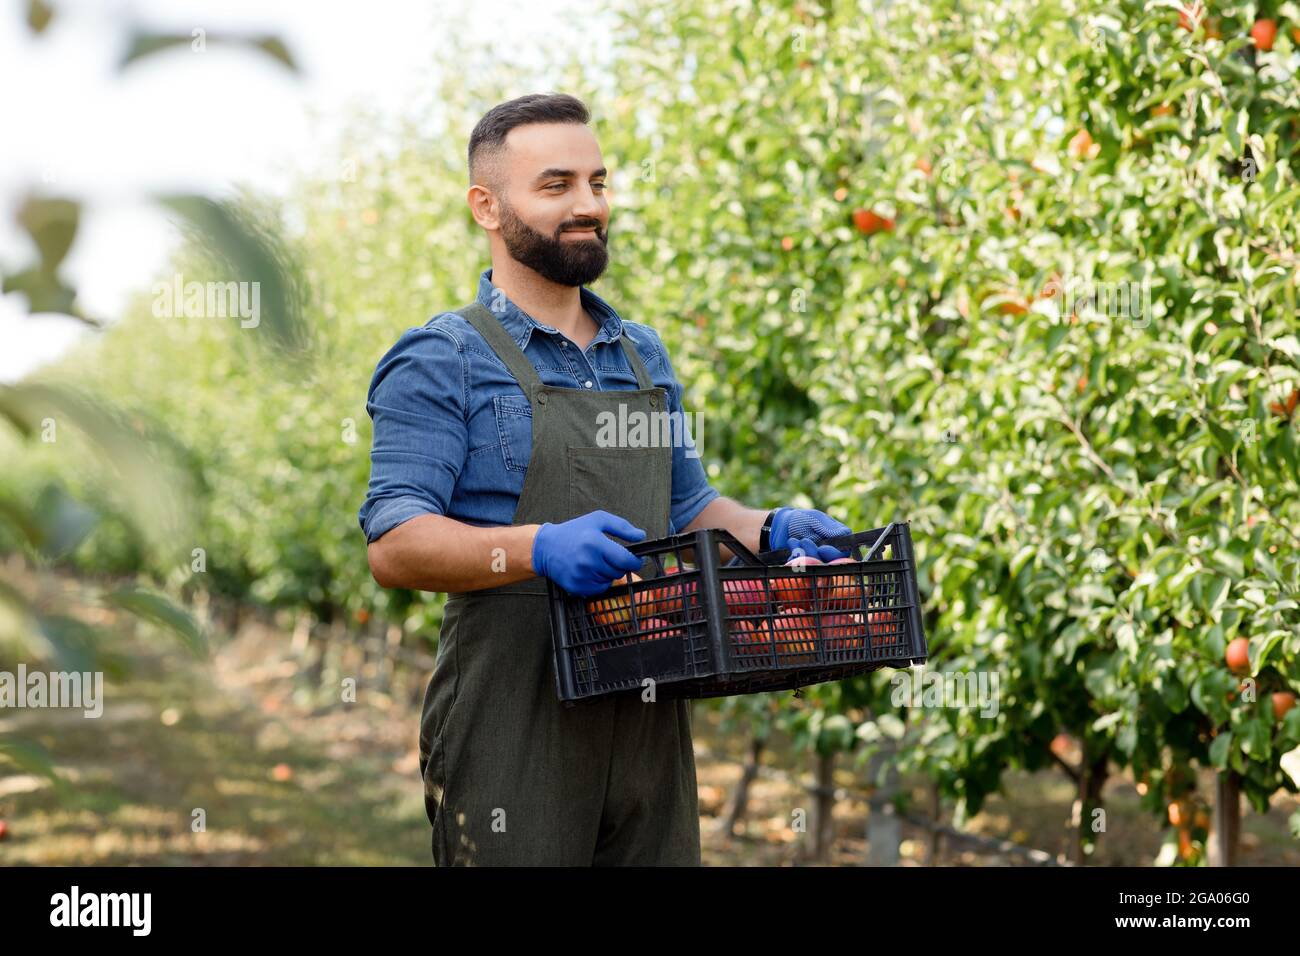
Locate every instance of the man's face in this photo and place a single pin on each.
(555, 218)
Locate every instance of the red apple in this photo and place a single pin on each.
(1238, 655)
(666, 599)
(1081, 145)
(751, 640)
(843, 592)
(1282, 702)
(615, 612)
(843, 632)
(656, 628)
(799, 591)
(882, 626)
(744, 595)
(795, 635)
(868, 221)
(1179, 813)
(1264, 32)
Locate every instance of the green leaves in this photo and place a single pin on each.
(1254, 738)
(158, 609)
(1236, 131)
(45, 292)
(1209, 692)
(1221, 749)
(52, 225)
(1210, 591)
(833, 734)
(26, 756)
(1262, 647)
(252, 253)
(39, 15)
(54, 525)
(67, 641)
(150, 487)
(144, 44)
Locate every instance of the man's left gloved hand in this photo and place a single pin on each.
(791, 524)
(822, 552)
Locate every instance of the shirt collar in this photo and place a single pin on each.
(520, 324)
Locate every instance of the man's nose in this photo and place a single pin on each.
(588, 207)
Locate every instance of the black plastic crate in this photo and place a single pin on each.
(699, 628)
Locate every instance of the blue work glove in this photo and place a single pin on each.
(578, 557)
(822, 552)
(791, 524)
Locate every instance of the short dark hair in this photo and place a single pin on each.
(487, 142)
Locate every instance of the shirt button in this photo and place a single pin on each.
(587, 383)
(564, 345)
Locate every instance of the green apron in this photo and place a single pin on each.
(511, 775)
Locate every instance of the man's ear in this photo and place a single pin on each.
(483, 206)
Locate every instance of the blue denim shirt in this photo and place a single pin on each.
(453, 430)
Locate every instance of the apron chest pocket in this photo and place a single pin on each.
(599, 476)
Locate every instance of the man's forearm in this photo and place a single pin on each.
(435, 553)
(723, 512)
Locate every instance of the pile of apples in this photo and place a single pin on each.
(792, 630)
(655, 613)
(652, 611)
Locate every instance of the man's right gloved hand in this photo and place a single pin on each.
(578, 557)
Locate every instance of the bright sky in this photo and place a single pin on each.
(186, 121)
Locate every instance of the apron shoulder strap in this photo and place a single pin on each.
(508, 350)
(634, 360)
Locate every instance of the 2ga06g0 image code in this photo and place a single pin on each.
(1175, 896)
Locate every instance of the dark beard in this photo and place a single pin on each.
(570, 262)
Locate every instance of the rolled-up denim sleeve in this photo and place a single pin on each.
(691, 488)
(417, 401)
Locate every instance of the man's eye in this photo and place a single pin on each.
(555, 186)
(597, 185)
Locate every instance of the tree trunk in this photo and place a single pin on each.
(236, 617)
(352, 663)
(936, 835)
(1092, 779)
(336, 657)
(322, 636)
(824, 807)
(301, 633)
(1225, 826)
(388, 660)
(201, 601)
(884, 829)
(740, 799)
